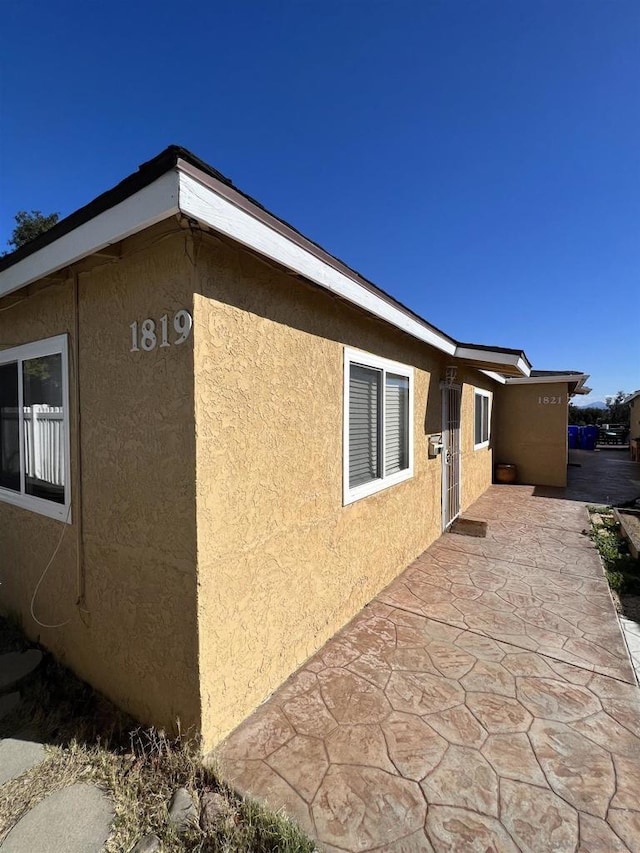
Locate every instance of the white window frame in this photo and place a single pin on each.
(50, 346)
(352, 356)
(480, 392)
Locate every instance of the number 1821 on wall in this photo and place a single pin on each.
(551, 401)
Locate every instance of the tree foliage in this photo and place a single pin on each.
(617, 412)
(586, 416)
(30, 225)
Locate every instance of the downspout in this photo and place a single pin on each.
(80, 572)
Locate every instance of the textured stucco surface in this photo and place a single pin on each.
(136, 636)
(282, 563)
(533, 435)
(634, 419)
(217, 552)
(476, 465)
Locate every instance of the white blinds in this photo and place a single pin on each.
(481, 419)
(478, 420)
(485, 419)
(364, 414)
(396, 427)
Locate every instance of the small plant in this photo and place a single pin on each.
(616, 581)
(623, 572)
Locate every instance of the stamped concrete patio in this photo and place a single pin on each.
(484, 701)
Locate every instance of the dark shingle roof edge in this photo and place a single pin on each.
(556, 373)
(168, 159)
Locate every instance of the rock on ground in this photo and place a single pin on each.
(148, 844)
(14, 666)
(183, 813)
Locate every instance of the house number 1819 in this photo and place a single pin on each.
(145, 335)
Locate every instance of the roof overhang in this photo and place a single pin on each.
(575, 381)
(223, 209)
(177, 183)
(488, 359)
(151, 204)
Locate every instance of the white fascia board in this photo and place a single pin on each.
(151, 204)
(496, 357)
(205, 205)
(497, 377)
(580, 378)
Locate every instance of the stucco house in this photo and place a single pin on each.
(218, 442)
(634, 425)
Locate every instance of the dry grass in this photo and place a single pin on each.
(89, 740)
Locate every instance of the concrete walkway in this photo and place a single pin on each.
(600, 477)
(483, 701)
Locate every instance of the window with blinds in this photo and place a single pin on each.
(378, 406)
(482, 418)
(365, 408)
(396, 425)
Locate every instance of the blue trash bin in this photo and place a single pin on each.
(590, 437)
(574, 437)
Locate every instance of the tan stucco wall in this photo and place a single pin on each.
(532, 434)
(282, 563)
(634, 418)
(476, 465)
(217, 552)
(137, 642)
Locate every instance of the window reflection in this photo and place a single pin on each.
(9, 428)
(44, 449)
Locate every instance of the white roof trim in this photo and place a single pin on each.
(155, 202)
(495, 356)
(204, 204)
(497, 377)
(580, 378)
(177, 191)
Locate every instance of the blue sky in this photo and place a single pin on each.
(478, 160)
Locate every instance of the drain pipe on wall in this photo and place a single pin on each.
(80, 571)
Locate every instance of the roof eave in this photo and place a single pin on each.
(152, 203)
(575, 381)
(508, 362)
(176, 182)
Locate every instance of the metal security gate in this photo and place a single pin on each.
(450, 454)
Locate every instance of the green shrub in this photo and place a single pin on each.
(623, 571)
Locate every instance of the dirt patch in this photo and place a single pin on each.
(629, 606)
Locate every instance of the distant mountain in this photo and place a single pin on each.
(597, 404)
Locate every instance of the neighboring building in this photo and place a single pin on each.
(634, 425)
(530, 427)
(218, 442)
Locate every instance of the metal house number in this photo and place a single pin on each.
(550, 401)
(145, 335)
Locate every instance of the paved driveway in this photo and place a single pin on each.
(484, 701)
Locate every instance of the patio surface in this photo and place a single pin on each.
(484, 701)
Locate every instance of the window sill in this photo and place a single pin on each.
(352, 495)
(481, 446)
(61, 512)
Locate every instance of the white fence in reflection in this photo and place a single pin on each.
(44, 443)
